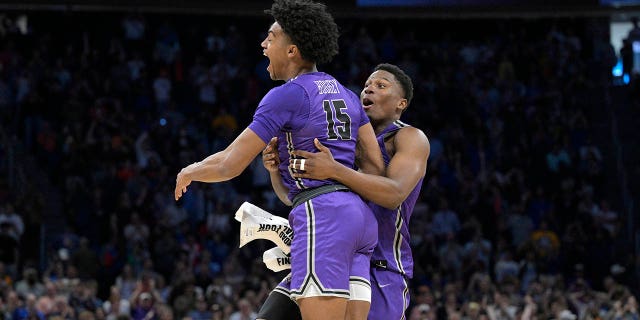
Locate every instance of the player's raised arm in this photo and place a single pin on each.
(221, 166)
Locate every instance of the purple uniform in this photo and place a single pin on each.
(312, 105)
(334, 233)
(392, 262)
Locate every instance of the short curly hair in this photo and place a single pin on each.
(310, 27)
(401, 76)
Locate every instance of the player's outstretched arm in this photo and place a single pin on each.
(223, 165)
(406, 168)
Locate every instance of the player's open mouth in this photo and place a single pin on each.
(269, 60)
(366, 103)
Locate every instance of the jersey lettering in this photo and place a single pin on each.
(340, 127)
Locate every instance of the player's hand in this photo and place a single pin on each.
(270, 158)
(182, 182)
(319, 165)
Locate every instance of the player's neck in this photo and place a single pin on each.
(299, 69)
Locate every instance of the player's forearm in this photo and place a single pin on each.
(381, 190)
(214, 168)
(279, 188)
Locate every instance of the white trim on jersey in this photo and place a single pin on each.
(397, 241)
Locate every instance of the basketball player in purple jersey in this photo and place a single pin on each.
(334, 229)
(387, 93)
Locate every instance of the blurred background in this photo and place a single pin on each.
(527, 212)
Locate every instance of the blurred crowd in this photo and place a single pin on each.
(514, 222)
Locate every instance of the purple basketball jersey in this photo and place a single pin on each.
(312, 105)
(393, 225)
(390, 296)
(389, 288)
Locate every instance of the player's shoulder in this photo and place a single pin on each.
(411, 136)
(289, 85)
(284, 91)
(313, 79)
(325, 84)
(409, 131)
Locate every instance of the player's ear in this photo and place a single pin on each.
(403, 105)
(292, 50)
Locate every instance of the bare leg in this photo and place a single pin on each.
(323, 308)
(357, 310)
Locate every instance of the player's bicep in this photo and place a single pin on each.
(243, 150)
(409, 163)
